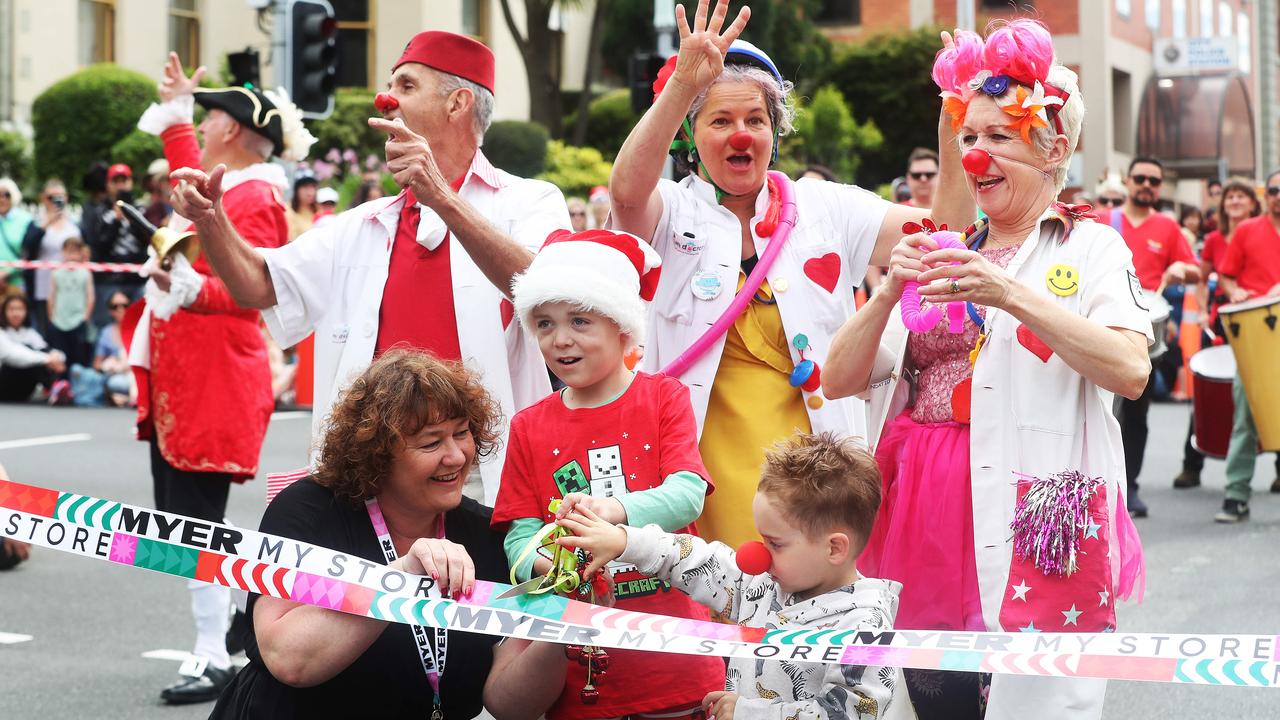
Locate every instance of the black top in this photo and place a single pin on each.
(387, 681)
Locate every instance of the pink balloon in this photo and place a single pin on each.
(920, 320)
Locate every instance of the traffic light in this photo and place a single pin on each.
(641, 72)
(311, 54)
(244, 68)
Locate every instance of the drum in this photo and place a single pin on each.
(1255, 340)
(1213, 370)
(1159, 312)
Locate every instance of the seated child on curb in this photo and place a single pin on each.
(814, 507)
(621, 444)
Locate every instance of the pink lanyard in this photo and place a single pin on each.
(433, 658)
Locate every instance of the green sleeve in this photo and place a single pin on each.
(672, 505)
(522, 530)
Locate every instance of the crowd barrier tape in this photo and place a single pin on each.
(52, 265)
(300, 572)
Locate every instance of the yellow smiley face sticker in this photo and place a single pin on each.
(1062, 280)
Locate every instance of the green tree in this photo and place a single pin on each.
(137, 150)
(348, 126)
(827, 134)
(78, 119)
(15, 157)
(609, 121)
(575, 170)
(516, 146)
(887, 79)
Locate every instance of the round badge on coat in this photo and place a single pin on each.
(706, 285)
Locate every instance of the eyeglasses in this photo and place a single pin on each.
(4, 194)
(1151, 180)
(1273, 190)
(923, 175)
(1110, 201)
(119, 306)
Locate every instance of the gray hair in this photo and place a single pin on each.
(1070, 114)
(778, 99)
(254, 142)
(482, 102)
(7, 184)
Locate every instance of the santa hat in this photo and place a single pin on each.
(606, 272)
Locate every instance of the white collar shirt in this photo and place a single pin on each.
(330, 280)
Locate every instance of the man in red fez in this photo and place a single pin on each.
(429, 268)
(204, 391)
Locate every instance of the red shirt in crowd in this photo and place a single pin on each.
(1253, 257)
(417, 301)
(1156, 244)
(628, 445)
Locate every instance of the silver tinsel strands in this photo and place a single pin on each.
(1051, 518)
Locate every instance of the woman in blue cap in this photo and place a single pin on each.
(726, 104)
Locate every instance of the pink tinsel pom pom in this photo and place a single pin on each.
(1023, 50)
(953, 68)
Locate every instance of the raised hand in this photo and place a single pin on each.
(703, 46)
(175, 82)
(197, 196)
(411, 162)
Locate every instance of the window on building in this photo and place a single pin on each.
(475, 19)
(1246, 47)
(1008, 5)
(1179, 18)
(1225, 17)
(1124, 7)
(184, 30)
(355, 42)
(839, 12)
(1206, 18)
(97, 31)
(1153, 15)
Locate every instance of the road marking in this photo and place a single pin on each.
(291, 414)
(45, 440)
(183, 656)
(13, 638)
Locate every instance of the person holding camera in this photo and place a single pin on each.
(117, 241)
(43, 241)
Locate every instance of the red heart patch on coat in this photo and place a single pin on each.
(825, 271)
(507, 310)
(1032, 342)
(961, 398)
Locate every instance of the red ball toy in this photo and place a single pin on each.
(754, 558)
(740, 140)
(385, 102)
(976, 161)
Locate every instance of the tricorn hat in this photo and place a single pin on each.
(270, 114)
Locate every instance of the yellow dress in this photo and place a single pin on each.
(752, 406)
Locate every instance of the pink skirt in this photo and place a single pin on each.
(923, 536)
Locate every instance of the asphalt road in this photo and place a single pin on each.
(92, 621)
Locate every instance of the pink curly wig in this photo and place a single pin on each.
(1022, 49)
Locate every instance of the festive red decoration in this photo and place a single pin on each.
(385, 102)
(664, 74)
(1032, 342)
(961, 398)
(825, 271)
(740, 140)
(753, 558)
(590, 696)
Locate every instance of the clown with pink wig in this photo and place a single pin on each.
(1002, 464)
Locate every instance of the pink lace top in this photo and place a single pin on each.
(943, 358)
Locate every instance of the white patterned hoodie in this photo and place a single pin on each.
(781, 689)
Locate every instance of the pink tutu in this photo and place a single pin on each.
(923, 536)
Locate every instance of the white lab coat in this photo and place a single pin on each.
(330, 280)
(813, 280)
(1037, 418)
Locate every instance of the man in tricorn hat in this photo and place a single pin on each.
(429, 268)
(205, 384)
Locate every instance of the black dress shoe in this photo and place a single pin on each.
(202, 688)
(1137, 508)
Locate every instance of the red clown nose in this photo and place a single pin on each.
(976, 161)
(740, 140)
(754, 558)
(385, 102)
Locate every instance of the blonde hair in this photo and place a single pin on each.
(7, 184)
(821, 482)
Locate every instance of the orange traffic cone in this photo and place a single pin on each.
(1188, 342)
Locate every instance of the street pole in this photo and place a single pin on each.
(664, 26)
(965, 18)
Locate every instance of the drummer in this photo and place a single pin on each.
(1161, 257)
(1250, 271)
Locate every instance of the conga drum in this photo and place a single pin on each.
(1159, 312)
(1255, 340)
(1212, 370)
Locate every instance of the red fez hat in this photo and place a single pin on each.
(454, 54)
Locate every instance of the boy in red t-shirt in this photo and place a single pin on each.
(621, 443)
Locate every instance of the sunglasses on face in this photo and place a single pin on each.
(119, 306)
(4, 194)
(1110, 201)
(1273, 190)
(923, 175)
(1151, 180)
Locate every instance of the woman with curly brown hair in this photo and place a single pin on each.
(399, 446)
